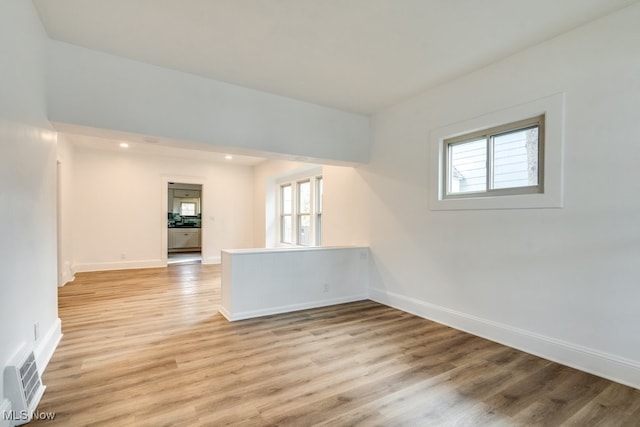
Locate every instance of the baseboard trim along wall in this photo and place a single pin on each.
(602, 364)
(67, 274)
(47, 344)
(212, 260)
(289, 308)
(67, 281)
(118, 265)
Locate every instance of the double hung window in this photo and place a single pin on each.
(300, 209)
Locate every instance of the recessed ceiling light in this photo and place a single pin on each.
(228, 157)
(124, 145)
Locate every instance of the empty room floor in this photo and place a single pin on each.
(149, 347)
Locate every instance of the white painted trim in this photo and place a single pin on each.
(47, 344)
(612, 367)
(553, 108)
(254, 251)
(67, 274)
(289, 308)
(71, 279)
(119, 265)
(225, 313)
(212, 260)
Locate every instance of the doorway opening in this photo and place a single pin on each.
(184, 223)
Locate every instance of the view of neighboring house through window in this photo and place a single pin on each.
(503, 160)
(301, 212)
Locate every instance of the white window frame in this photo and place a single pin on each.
(315, 234)
(300, 214)
(488, 135)
(319, 188)
(551, 196)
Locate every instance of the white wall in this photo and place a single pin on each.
(120, 205)
(65, 210)
(344, 221)
(558, 282)
(28, 288)
(99, 90)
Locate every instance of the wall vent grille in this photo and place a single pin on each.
(30, 378)
(23, 385)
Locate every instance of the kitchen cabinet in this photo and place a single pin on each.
(186, 193)
(184, 238)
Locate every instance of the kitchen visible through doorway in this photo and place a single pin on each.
(184, 222)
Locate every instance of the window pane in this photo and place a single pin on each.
(285, 229)
(467, 170)
(515, 158)
(304, 197)
(304, 229)
(286, 194)
(187, 208)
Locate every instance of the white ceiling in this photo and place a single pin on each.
(355, 55)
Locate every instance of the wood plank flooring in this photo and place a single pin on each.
(149, 348)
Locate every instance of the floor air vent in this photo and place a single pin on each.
(23, 386)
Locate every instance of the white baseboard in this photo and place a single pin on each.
(602, 364)
(47, 344)
(67, 280)
(232, 317)
(118, 265)
(212, 260)
(67, 274)
(226, 314)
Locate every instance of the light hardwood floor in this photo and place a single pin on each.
(149, 348)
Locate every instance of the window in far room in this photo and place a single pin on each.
(300, 211)
(187, 208)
